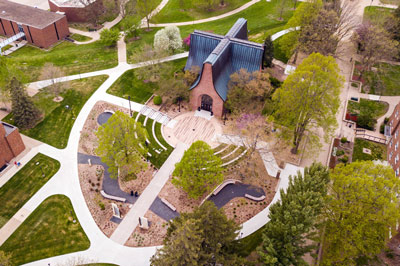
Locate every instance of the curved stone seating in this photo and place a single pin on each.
(105, 195)
(169, 205)
(224, 184)
(255, 198)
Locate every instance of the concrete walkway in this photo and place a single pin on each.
(227, 14)
(131, 220)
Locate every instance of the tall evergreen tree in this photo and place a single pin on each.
(268, 52)
(293, 219)
(203, 237)
(25, 113)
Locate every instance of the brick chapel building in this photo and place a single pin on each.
(40, 27)
(75, 10)
(11, 144)
(218, 58)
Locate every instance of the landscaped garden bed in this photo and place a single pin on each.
(366, 112)
(52, 229)
(377, 151)
(59, 117)
(24, 184)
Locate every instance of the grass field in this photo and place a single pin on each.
(72, 58)
(278, 52)
(129, 85)
(24, 184)
(174, 11)
(262, 20)
(368, 112)
(54, 129)
(52, 229)
(378, 151)
(385, 81)
(377, 15)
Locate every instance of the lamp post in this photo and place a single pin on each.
(179, 103)
(225, 116)
(130, 111)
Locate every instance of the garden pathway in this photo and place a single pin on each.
(139, 209)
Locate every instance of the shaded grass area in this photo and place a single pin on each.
(384, 81)
(49, 231)
(80, 38)
(179, 11)
(157, 159)
(139, 91)
(378, 151)
(377, 15)
(24, 184)
(58, 120)
(72, 58)
(278, 52)
(248, 244)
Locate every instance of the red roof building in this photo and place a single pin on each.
(11, 144)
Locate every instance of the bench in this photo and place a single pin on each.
(169, 205)
(223, 185)
(105, 195)
(254, 198)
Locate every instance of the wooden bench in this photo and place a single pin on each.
(105, 195)
(255, 198)
(169, 205)
(223, 185)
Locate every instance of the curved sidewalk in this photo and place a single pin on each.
(230, 13)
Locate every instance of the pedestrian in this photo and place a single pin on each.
(15, 163)
(351, 59)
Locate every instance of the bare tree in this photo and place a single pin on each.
(145, 8)
(52, 73)
(93, 10)
(374, 44)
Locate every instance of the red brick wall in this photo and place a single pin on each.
(206, 86)
(10, 146)
(43, 38)
(74, 14)
(15, 141)
(392, 150)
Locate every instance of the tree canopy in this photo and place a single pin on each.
(309, 99)
(121, 145)
(168, 39)
(109, 37)
(361, 209)
(294, 218)
(203, 237)
(198, 171)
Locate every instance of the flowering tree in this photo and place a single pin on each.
(168, 39)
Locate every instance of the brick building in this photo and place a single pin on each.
(218, 58)
(393, 146)
(41, 28)
(75, 10)
(11, 144)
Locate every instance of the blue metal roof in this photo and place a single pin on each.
(227, 55)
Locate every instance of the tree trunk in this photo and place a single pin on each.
(298, 136)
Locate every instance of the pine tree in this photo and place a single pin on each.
(204, 237)
(268, 52)
(25, 113)
(293, 219)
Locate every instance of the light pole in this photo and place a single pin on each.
(179, 104)
(130, 111)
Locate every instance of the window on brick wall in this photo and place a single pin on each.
(396, 159)
(390, 143)
(396, 146)
(390, 155)
(397, 172)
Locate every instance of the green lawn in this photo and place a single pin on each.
(24, 184)
(377, 15)
(385, 81)
(54, 129)
(378, 151)
(390, 2)
(248, 244)
(72, 58)
(278, 52)
(49, 231)
(129, 85)
(80, 38)
(174, 11)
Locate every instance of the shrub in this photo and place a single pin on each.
(343, 140)
(157, 100)
(339, 153)
(101, 205)
(344, 159)
(386, 120)
(109, 37)
(276, 83)
(353, 84)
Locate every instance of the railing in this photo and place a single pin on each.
(362, 133)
